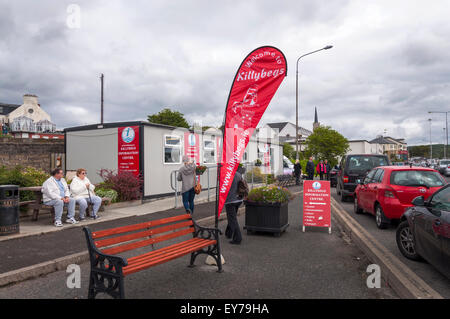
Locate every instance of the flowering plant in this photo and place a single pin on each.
(199, 170)
(270, 195)
(126, 184)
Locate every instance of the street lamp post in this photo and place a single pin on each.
(296, 98)
(446, 130)
(431, 145)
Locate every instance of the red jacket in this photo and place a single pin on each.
(321, 168)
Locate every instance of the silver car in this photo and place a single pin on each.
(444, 167)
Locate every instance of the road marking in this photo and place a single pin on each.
(401, 278)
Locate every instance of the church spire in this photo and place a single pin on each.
(316, 119)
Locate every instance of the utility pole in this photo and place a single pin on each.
(101, 99)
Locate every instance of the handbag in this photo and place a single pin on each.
(197, 187)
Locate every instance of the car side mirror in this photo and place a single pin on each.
(418, 201)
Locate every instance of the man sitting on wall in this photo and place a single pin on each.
(56, 193)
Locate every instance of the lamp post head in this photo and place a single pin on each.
(328, 47)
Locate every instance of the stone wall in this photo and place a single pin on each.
(38, 153)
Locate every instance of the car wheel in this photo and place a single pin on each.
(356, 208)
(405, 241)
(380, 219)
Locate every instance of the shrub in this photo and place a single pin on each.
(270, 195)
(110, 193)
(127, 186)
(23, 177)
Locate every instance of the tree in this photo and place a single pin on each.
(288, 151)
(169, 117)
(326, 144)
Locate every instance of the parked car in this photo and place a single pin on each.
(288, 167)
(387, 192)
(444, 167)
(424, 231)
(354, 167)
(333, 175)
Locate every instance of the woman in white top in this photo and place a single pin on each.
(83, 192)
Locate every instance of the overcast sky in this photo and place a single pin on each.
(390, 62)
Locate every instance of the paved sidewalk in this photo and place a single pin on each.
(313, 264)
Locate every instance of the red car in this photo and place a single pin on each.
(388, 191)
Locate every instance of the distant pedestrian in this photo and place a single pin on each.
(232, 204)
(56, 193)
(310, 168)
(297, 172)
(328, 169)
(186, 174)
(83, 192)
(321, 169)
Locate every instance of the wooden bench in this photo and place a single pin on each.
(37, 204)
(108, 269)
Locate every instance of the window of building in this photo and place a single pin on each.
(172, 149)
(209, 152)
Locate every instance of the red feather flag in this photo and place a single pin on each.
(254, 85)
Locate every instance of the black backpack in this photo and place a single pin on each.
(242, 189)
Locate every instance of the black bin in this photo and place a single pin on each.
(9, 209)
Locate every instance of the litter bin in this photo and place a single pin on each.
(9, 209)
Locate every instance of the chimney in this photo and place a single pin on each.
(30, 99)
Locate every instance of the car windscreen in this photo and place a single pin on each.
(444, 162)
(365, 163)
(417, 178)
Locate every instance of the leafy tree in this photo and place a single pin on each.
(288, 151)
(326, 144)
(169, 117)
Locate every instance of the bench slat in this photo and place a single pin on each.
(126, 229)
(164, 252)
(137, 267)
(160, 251)
(142, 243)
(126, 238)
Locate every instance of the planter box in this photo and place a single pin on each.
(271, 218)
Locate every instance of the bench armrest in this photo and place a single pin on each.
(93, 250)
(206, 232)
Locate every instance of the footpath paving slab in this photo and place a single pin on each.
(313, 264)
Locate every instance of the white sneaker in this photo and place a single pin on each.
(58, 223)
(71, 221)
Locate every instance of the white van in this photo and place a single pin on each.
(288, 167)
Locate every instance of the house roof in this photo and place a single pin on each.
(6, 108)
(279, 125)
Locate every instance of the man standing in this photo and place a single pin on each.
(56, 193)
(297, 172)
(310, 168)
(328, 169)
(232, 204)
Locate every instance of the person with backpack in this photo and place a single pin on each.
(238, 191)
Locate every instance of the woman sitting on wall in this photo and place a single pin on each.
(83, 192)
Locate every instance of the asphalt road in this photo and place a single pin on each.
(426, 271)
(313, 264)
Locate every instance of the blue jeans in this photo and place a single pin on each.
(83, 204)
(188, 199)
(58, 204)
